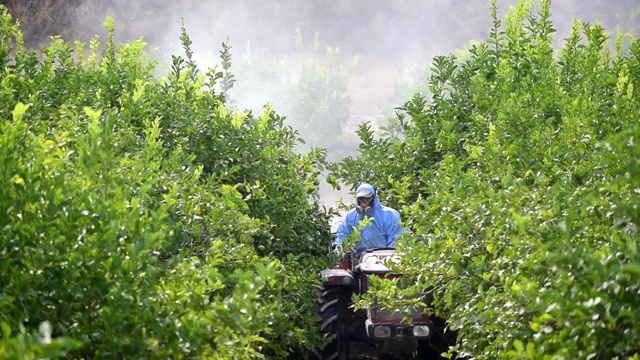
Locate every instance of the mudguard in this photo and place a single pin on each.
(337, 277)
(376, 261)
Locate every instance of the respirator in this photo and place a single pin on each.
(364, 205)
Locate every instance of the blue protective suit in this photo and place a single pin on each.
(383, 230)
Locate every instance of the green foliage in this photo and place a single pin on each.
(143, 217)
(38, 345)
(520, 170)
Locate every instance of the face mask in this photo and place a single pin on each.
(364, 206)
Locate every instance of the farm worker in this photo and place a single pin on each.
(381, 232)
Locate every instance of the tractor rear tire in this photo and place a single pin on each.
(333, 312)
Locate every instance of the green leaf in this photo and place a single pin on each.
(632, 269)
(19, 110)
(517, 344)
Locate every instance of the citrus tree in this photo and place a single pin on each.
(520, 170)
(142, 216)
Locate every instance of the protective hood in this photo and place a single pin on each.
(381, 232)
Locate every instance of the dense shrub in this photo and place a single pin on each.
(141, 216)
(521, 171)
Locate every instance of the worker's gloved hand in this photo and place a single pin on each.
(336, 249)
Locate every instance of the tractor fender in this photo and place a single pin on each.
(337, 277)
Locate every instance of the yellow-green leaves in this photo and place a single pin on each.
(238, 119)
(19, 111)
(17, 179)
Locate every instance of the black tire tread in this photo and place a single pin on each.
(328, 323)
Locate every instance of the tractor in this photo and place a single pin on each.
(373, 332)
